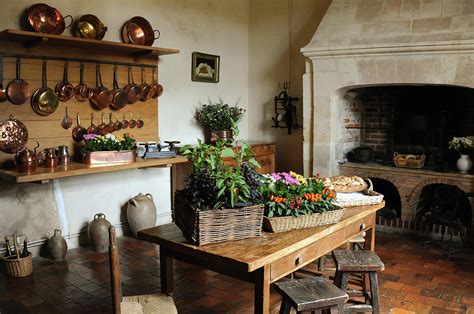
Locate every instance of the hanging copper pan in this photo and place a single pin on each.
(100, 95)
(65, 89)
(119, 98)
(156, 88)
(93, 129)
(79, 131)
(3, 91)
(138, 31)
(82, 91)
(43, 18)
(133, 90)
(145, 88)
(44, 101)
(18, 91)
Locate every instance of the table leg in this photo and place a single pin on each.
(262, 290)
(369, 245)
(166, 272)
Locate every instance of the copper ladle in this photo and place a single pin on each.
(93, 129)
(132, 123)
(66, 122)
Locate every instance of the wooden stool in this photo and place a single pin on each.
(359, 262)
(356, 243)
(312, 294)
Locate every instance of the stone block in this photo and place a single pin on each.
(368, 11)
(431, 8)
(386, 70)
(367, 70)
(463, 23)
(468, 7)
(386, 28)
(410, 9)
(452, 7)
(390, 10)
(432, 25)
(465, 71)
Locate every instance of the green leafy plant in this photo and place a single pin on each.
(109, 142)
(219, 116)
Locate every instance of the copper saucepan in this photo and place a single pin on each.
(89, 26)
(18, 91)
(145, 88)
(156, 88)
(118, 97)
(44, 101)
(79, 131)
(93, 129)
(43, 18)
(65, 89)
(100, 96)
(133, 90)
(82, 91)
(138, 31)
(3, 91)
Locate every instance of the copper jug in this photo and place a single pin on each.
(26, 160)
(49, 158)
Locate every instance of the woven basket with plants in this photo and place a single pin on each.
(218, 203)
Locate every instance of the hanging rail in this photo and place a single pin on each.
(96, 61)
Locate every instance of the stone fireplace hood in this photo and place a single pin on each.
(378, 42)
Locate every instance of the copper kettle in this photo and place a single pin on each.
(26, 160)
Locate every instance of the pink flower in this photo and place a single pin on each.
(90, 136)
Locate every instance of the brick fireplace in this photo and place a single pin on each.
(379, 51)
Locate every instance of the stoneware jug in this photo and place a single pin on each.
(141, 212)
(99, 233)
(57, 246)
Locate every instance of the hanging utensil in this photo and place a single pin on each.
(140, 122)
(44, 101)
(118, 124)
(82, 91)
(124, 122)
(79, 131)
(102, 126)
(100, 96)
(17, 90)
(133, 90)
(66, 122)
(145, 88)
(3, 91)
(132, 123)
(93, 129)
(156, 88)
(119, 97)
(111, 124)
(65, 89)
(13, 135)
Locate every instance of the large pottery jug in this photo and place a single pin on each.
(57, 246)
(99, 233)
(141, 212)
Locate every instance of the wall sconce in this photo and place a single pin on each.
(285, 111)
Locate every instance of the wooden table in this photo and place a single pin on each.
(261, 260)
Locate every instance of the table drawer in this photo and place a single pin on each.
(304, 256)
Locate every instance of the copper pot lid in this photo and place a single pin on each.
(13, 135)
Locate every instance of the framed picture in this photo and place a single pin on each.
(205, 68)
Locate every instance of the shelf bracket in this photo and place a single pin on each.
(139, 54)
(35, 42)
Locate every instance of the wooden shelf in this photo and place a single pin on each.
(32, 38)
(43, 175)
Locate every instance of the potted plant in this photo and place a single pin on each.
(464, 146)
(292, 201)
(218, 203)
(109, 148)
(220, 120)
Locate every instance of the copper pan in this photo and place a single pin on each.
(65, 89)
(17, 90)
(119, 98)
(145, 88)
(100, 95)
(93, 129)
(45, 19)
(133, 91)
(79, 131)
(138, 31)
(82, 91)
(3, 91)
(104, 128)
(124, 122)
(44, 101)
(156, 88)
(89, 26)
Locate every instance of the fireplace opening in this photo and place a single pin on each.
(409, 119)
(444, 205)
(393, 204)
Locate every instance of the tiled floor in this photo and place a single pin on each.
(417, 279)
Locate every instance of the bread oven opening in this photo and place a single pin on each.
(407, 119)
(393, 203)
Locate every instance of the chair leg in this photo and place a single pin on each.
(374, 287)
(344, 281)
(334, 309)
(337, 278)
(285, 307)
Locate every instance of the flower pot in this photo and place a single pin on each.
(464, 164)
(224, 135)
(109, 157)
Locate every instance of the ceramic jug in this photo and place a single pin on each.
(141, 212)
(57, 246)
(99, 233)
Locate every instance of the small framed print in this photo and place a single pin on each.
(205, 68)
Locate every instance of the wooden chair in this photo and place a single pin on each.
(312, 294)
(153, 303)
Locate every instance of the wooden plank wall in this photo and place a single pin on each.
(47, 130)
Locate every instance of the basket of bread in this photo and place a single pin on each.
(409, 160)
(361, 198)
(348, 184)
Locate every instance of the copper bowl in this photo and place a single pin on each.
(138, 31)
(89, 26)
(45, 19)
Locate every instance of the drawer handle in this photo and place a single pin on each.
(298, 260)
(362, 226)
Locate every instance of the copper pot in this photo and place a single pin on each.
(156, 88)
(145, 88)
(82, 91)
(49, 158)
(3, 91)
(18, 91)
(43, 18)
(79, 131)
(44, 101)
(89, 26)
(133, 91)
(100, 95)
(138, 31)
(119, 98)
(64, 89)
(13, 135)
(93, 129)
(26, 160)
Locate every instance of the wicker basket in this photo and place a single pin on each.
(201, 227)
(367, 197)
(409, 161)
(18, 267)
(350, 188)
(280, 224)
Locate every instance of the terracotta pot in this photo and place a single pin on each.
(57, 246)
(99, 233)
(141, 213)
